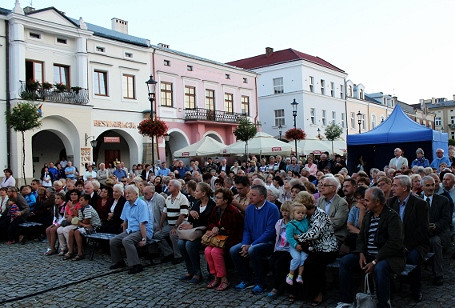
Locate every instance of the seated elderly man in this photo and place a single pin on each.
(258, 239)
(380, 250)
(334, 206)
(137, 229)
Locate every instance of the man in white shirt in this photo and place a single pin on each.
(398, 161)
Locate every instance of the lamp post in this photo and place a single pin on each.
(294, 105)
(280, 130)
(319, 134)
(151, 85)
(359, 120)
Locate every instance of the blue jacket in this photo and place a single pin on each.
(259, 226)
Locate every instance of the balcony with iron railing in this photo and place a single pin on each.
(202, 114)
(34, 91)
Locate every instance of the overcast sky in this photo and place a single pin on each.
(399, 47)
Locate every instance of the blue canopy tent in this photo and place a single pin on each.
(398, 131)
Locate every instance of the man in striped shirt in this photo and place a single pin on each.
(175, 212)
(379, 250)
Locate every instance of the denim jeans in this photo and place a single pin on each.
(298, 258)
(349, 268)
(415, 276)
(256, 254)
(190, 253)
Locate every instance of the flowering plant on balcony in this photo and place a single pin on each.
(60, 87)
(33, 85)
(295, 134)
(46, 85)
(151, 128)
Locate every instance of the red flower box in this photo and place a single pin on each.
(151, 128)
(295, 134)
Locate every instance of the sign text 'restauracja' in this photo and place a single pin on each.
(118, 124)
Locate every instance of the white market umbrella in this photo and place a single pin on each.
(207, 146)
(318, 146)
(260, 144)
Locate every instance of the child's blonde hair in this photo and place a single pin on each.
(286, 206)
(297, 206)
(305, 198)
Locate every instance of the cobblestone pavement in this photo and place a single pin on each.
(29, 279)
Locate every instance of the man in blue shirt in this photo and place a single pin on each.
(70, 171)
(137, 229)
(119, 172)
(164, 171)
(258, 239)
(440, 158)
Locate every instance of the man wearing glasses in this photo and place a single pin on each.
(334, 206)
(8, 226)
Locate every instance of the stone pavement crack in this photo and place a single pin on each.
(18, 298)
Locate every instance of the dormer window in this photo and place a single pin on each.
(61, 40)
(100, 49)
(35, 35)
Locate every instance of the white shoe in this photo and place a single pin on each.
(344, 305)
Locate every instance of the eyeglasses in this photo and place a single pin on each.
(325, 185)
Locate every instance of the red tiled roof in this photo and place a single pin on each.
(281, 56)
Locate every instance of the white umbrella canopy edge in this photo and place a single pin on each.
(207, 146)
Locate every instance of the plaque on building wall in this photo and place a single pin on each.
(111, 139)
(86, 156)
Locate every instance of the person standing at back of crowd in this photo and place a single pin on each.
(398, 161)
(439, 159)
(8, 179)
(420, 161)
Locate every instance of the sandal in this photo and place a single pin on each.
(50, 252)
(291, 298)
(62, 253)
(68, 256)
(213, 283)
(78, 258)
(223, 286)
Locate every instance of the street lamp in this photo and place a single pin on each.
(294, 105)
(319, 134)
(93, 143)
(151, 86)
(280, 130)
(359, 120)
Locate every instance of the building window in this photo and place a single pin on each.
(61, 40)
(34, 71)
(453, 135)
(373, 121)
(341, 91)
(353, 120)
(246, 105)
(245, 80)
(228, 76)
(189, 68)
(61, 74)
(334, 117)
(382, 118)
(322, 86)
(312, 84)
(437, 121)
(452, 120)
(100, 49)
(332, 89)
(190, 97)
(35, 35)
(100, 83)
(128, 87)
(167, 63)
(278, 85)
(166, 94)
(313, 116)
(364, 122)
(361, 94)
(350, 91)
(343, 123)
(128, 55)
(210, 99)
(279, 117)
(324, 119)
(229, 102)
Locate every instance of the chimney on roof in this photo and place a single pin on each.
(28, 9)
(453, 97)
(163, 45)
(119, 25)
(268, 51)
(394, 101)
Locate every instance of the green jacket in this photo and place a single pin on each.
(389, 238)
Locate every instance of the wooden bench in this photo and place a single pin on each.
(28, 227)
(94, 239)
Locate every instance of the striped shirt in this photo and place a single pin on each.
(88, 212)
(372, 249)
(175, 208)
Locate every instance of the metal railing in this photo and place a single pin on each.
(202, 114)
(73, 96)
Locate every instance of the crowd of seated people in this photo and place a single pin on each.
(299, 216)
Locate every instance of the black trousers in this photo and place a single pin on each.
(314, 272)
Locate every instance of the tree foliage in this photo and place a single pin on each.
(23, 117)
(245, 131)
(333, 131)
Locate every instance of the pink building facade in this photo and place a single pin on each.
(199, 97)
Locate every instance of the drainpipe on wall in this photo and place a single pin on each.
(257, 102)
(8, 97)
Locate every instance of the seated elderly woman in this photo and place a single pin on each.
(88, 221)
(198, 216)
(272, 195)
(113, 222)
(325, 250)
(225, 219)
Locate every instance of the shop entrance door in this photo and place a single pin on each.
(110, 156)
